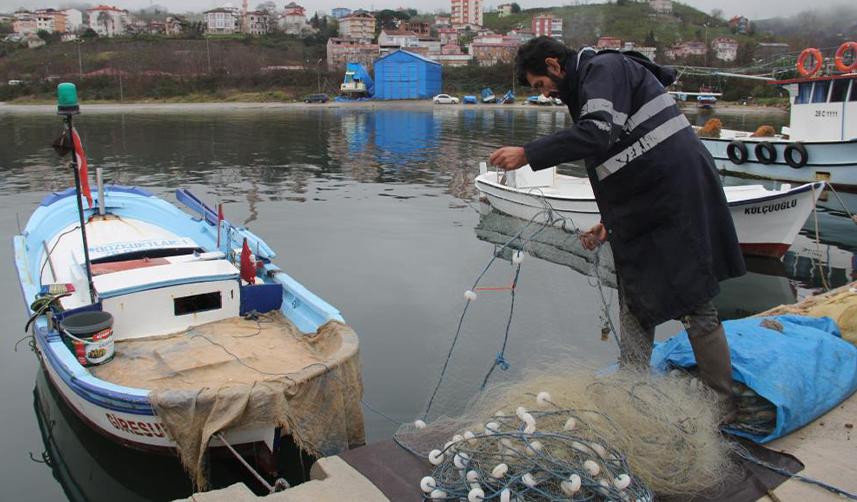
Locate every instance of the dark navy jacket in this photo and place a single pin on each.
(655, 183)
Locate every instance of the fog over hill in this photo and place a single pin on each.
(825, 27)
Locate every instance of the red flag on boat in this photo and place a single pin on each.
(248, 268)
(81, 166)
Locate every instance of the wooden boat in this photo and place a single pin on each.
(180, 311)
(767, 221)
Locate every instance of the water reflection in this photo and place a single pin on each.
(768, 282)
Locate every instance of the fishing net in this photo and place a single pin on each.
(839, 304)
(248, 375)
(571, 433)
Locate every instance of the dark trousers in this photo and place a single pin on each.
(706, 336)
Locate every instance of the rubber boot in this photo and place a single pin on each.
(715, 367)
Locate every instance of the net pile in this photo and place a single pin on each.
(571, 434)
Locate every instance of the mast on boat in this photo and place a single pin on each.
(68, 107)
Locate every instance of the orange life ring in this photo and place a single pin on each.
(816, 55)
(840, 53)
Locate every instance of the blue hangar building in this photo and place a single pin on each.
(405, 75)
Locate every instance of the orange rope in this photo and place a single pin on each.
(500, 288)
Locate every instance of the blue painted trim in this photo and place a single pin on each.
(98, 392)
(68, 192)
(166, 284)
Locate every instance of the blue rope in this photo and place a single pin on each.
(500, 360)
(466, 305)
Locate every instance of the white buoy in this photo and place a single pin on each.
(499, 471)
(570, 424)
(543, 398)
(468, 436)
(472, 476)
(530, 428)
(574, 483)
(476, 495)
(517, 257)
(534, 448)
(592, 467)
(528, 480)
(438, 495)
(435, 457)
(419, 424)
(449, 446)
(597, 448)
(622, 481)
(427, 484)
(492, 428)
(457, 438)
(505, 495)
(519, 411)
(460, 460)
(470, 295)
(577, 445)
(506, 442)
(565, 486)
(499, 414)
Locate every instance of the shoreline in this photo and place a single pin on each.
(150, 107)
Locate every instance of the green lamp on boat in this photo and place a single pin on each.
(67, 99)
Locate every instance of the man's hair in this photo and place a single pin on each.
(531, 57)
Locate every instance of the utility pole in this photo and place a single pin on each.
(318, 73)
(79, 59)
(208, 52)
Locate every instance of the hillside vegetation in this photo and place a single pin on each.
(630, 21)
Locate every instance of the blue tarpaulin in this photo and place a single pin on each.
(804, 371)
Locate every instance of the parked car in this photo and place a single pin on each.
(540, 99)
(316, 98)
(445, 99)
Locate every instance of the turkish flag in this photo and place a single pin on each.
(248, 268)
(82, 166)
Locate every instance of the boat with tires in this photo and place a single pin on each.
(767, 221)
(170, 331)
(820, 144)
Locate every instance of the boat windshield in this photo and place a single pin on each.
(147, 253)
(840, 90)
(804, 92)
(819, 92)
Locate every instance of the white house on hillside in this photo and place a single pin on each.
(222, 20)
(662, 6)
(73, 20)
(293, 19)
(108, 21)
(725, 48)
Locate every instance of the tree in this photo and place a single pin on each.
(89, 33)
(44, 35)
(270, 7)
(516, 9)
(104, 19)
(717, 14)
(650, 39)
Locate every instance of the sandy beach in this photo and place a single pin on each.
(215, 107)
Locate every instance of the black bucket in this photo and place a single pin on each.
(89, 336)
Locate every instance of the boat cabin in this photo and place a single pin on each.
(822, 108)
(152, 281)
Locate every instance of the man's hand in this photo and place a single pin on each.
(508, 158)
(594, 237)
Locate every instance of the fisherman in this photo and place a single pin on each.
(662, 205)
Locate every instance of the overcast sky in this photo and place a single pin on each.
(754, 9)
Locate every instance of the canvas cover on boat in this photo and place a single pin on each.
(239, 373)
(803, 369)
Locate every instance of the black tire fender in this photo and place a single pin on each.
(796, 155)
(737, 152)
(765, 152)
